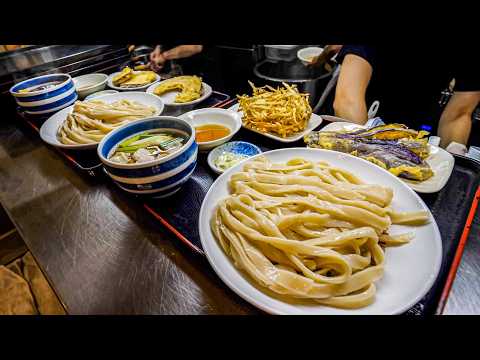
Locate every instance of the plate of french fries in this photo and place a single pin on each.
(281, 113)
(84, 124)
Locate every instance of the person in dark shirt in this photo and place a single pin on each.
(407, 81)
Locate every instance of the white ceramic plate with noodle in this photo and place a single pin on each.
(315, 121)
(440, 160)
(410, 270)
(49, 129)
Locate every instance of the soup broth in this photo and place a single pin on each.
(210, 132)
(148, 146)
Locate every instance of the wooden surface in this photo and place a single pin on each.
(101, 251)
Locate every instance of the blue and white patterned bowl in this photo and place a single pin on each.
(235, 147)
(45, 101)
(159, 178)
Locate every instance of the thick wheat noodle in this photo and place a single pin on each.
(272, 189)
(373, 193)
(293, 233)
(343, 212)
(90, 121)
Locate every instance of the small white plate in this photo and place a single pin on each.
(169, 97)
(225, 117)
(441, 162)
(139, 88)
(48, 131)
(410, 270)
(314, 121)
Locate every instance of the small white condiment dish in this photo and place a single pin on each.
(228, 118)
(235, 147)
(89, 84)
(306, 55)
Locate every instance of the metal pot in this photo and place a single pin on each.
(309, 80)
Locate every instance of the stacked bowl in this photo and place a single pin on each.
(45, 94)
(158, 178)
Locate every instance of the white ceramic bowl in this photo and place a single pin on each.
(307, 54)
(159, 178)
(89, 84)
(101, 93)
(46, 101)
(231, 119)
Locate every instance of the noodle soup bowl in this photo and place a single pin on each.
(158, 178)
(44, 95)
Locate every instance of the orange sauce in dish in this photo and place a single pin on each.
(210, 132)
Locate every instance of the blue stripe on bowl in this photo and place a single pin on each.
(47, 95)
(52, 105)
(155, 169)
(134, 128)
(159, 185)
(49, 112)
(38, 81)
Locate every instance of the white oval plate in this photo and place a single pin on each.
(48, 131)
(314, 121)
(410, 270)
(440, 160)
(169, 97)
(140, 88)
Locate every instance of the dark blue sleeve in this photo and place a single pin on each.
(467, 74)
(365, 52)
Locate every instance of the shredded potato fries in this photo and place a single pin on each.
(282, 111)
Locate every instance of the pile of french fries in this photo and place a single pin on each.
(283, 111)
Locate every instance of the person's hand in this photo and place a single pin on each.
(157, 60)
(182, 51)
(328, 52)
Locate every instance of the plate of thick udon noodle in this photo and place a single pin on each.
(84, 124)
(311, 231)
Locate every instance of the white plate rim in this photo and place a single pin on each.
(206, 89)
(431, 280)
(435, 187)
(53, 119)
(314, 121)
(140, 88)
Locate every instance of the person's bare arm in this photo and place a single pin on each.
(182, 51)
(349, 103)
(456, 119)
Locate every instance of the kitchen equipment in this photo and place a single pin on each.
(311, 80)
(281, 52)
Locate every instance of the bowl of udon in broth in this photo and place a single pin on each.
(153, 157)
